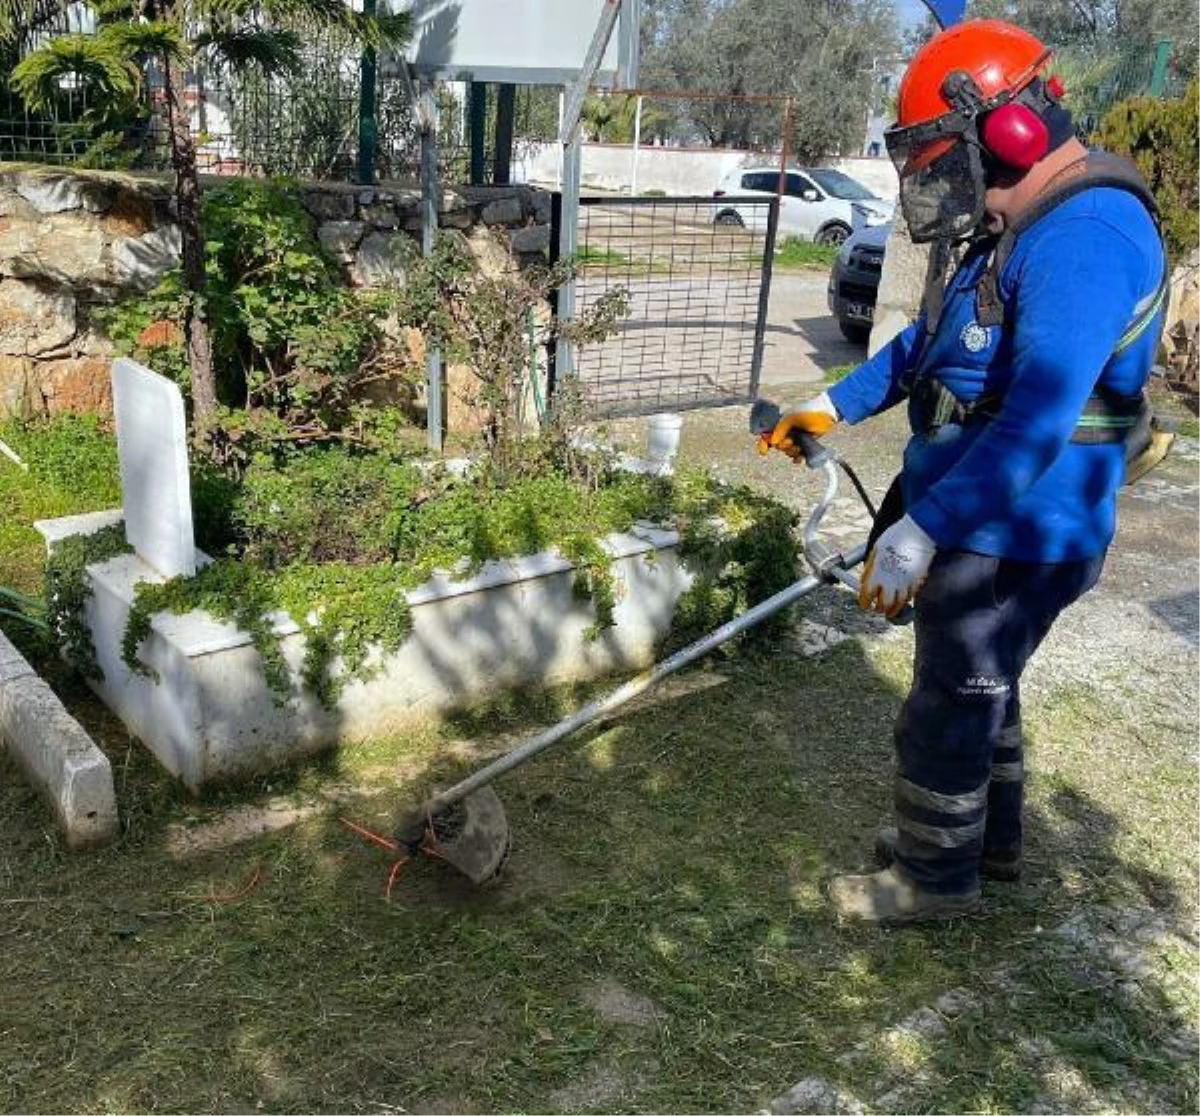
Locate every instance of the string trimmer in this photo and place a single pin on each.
(466, 824)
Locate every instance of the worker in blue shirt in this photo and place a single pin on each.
(1024, 383)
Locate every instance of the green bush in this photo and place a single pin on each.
(1160, 137)
(293, 346)
(328, 504)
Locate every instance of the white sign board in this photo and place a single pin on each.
(155, 486)
(526, 42)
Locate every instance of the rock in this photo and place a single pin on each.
(382, 216)
(140, 262)
(1184, 300)
(162, 334)
(34, 318)
(489, 250)
(64, 250)
(48, 194)
(382, 259)
(532, 238)
(456, 219)
(503, 211)
(81, 384)
(13, 205)
(340, 238)
(15, 394)
(17, 240)
(329, 205)
(129, 215)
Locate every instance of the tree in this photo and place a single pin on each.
(821, 53)
(1160, 137)
(1119, 27)
(134, 36)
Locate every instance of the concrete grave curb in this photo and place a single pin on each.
(55, 752)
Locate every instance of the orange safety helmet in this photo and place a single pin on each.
(971, 69)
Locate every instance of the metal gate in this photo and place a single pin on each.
(698, 294)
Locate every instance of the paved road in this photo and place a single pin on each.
(803, 339)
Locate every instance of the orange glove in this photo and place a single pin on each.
(816, 417)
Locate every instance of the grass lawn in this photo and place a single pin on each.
(659, 942)
(794, 254)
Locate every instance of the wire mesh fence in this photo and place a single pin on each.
(698, 294)
(306, 123)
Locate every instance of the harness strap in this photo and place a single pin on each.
(1107, 418)
(1102, 168)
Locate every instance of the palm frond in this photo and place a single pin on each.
(157, 39)
(97, 63)
(19, 18)
(269, 51)
(110, 10)
(323, 13)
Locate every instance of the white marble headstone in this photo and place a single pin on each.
(155, 486)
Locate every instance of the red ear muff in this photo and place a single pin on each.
(1015, 135)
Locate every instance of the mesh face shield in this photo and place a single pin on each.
(942, 180)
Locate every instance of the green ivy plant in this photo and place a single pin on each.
(68, 590)
(350, 601)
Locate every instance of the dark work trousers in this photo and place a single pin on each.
(959, 784)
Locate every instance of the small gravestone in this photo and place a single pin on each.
(155, 487)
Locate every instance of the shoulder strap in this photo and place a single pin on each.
(1101, 169)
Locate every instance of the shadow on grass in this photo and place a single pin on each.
(676, 854)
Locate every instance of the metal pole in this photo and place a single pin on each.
(506, 107)
(568, 243)
(562, 108)
(784, 151)
(764, 299)
(637, 136)
(1158, 79)
(435, 424)
(477, 99)
(368, 121)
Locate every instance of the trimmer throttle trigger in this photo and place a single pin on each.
(765, 416)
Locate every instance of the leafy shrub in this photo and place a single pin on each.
(329, 504)
(1160, 137)
(294, 348)
(485, 322)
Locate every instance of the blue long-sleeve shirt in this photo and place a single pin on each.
(1015, 486)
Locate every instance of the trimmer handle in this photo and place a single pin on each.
(765, 416)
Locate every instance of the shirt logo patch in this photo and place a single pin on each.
(975, 338)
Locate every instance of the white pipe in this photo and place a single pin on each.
(637, 136)
(10, 453)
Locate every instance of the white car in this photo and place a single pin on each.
(819, 203)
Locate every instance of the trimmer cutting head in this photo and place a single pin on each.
(471, 834)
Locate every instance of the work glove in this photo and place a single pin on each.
(896, 568)
(816, 417)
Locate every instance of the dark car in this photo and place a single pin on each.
(854, 280)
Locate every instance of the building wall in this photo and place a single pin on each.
(679, 171)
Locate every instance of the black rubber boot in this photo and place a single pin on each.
(1005, 868)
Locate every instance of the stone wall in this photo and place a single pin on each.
(71, 241)
(1182, 334)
